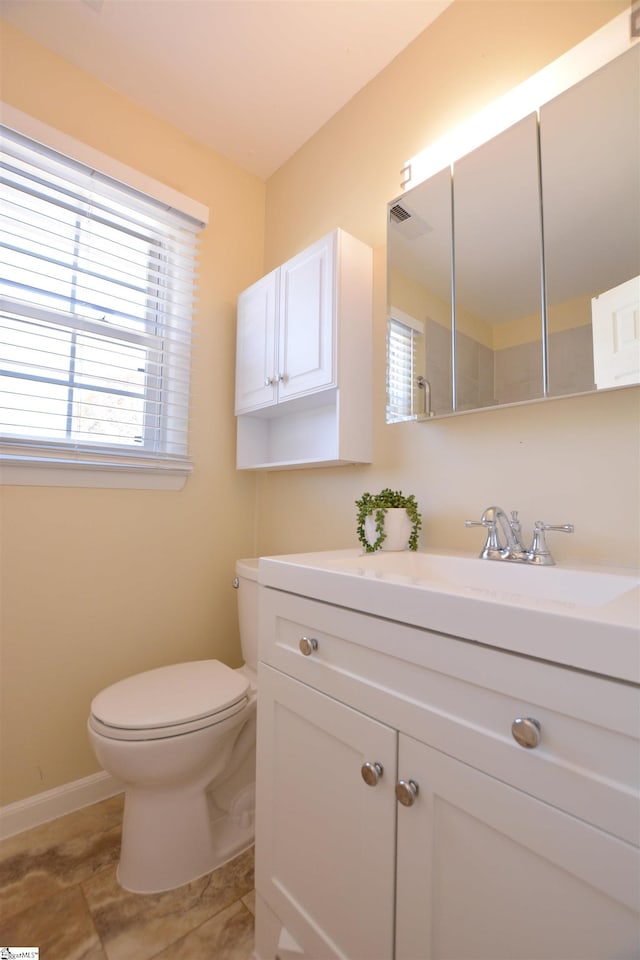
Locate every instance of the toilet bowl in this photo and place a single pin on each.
(181, 739)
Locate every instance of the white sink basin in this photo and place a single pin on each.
(586, 617)
(506, 578)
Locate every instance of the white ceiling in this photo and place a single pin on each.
(253, 79)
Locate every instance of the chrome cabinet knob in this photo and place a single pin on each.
(308, 645)
(526, 732)
(269, 381)
(371, 773)
(406, 792)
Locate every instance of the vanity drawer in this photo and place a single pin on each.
(462, 698)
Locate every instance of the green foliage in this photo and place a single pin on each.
(378, 504)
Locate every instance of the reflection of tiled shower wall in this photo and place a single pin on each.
(571, 361)
(518, 373)
(438, 365)
(518, 370)
(475, 373)
(485, 378)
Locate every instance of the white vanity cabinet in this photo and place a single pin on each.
(504, 853)
(489, 872)
(326, 863)
(303, 359)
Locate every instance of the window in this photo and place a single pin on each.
(96, 299)
(403, 335)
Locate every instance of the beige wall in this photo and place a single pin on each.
(568, 460)
(97, 584)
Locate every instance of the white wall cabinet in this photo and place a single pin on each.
(285, 340)
(256, 345)
(303, 359)
(506, 853)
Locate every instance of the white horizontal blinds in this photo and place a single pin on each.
(401, 369)
(96, 299)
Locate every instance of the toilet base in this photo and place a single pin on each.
(233, 831)
(175, 838)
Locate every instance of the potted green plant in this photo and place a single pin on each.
(374, 521)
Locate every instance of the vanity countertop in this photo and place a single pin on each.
(581, 616)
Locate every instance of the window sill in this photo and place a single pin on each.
(27, 471)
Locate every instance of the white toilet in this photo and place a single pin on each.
(182, 741)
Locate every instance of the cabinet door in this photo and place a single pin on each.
(256, 374)
(306, 336)
(488, 872)
(325, 841)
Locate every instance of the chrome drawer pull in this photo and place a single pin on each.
(526, 732)
(308, 645)
(371, 773)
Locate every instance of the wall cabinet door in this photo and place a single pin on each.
(307, 320)
(285, 330)
(489, 872)
(325, 840)
(256, 356)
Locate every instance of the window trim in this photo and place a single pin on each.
(57, 140)
(36, 464)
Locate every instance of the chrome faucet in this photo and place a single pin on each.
(495, 520)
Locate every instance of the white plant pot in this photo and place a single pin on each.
(397, 527)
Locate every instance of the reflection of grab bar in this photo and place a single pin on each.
(423, 384)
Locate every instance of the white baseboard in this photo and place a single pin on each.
(25, 814)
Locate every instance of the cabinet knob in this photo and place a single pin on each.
(371, 773)
(406, 792)
(269, 381)
(526, 732)
(308, 645)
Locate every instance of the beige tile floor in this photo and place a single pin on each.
(58, 892)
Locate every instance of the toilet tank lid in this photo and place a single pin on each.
(170, 695)
(247, 568)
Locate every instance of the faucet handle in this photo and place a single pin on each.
(539, 552)
(562, 528)
(492, 549)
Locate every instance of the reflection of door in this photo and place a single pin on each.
(616, 335)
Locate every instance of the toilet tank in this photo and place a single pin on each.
(247, 574)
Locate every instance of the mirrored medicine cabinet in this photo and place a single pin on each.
(514, 274)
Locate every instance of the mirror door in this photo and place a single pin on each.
(528, 318)
(419, 286)
(590, 152)
(498, 271)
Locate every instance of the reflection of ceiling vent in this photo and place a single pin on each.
(398, 213)
(408, 224)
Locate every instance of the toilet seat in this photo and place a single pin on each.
(169, 701)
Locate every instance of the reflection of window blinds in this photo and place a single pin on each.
(402, 340)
